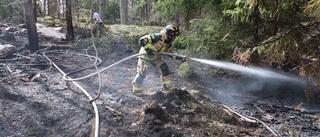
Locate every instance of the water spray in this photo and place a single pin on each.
(251, 70)
(256, 71)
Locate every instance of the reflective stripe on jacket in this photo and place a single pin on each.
(156, 42)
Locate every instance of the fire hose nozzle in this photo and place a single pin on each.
(187, 57)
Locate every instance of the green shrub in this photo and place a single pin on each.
(186, 70)
(103, 45)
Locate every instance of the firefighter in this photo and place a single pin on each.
(156, 42)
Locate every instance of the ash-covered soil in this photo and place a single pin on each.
(37, 101)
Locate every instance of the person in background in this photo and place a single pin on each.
(97, 21)
(96, 17)
(156, 42)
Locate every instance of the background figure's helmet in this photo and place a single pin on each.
(172, 31)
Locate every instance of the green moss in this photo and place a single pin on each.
(47, 21)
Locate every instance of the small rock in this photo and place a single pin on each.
(37, 77)
(22, 26)
(24, 31)
(3, 25)
(5, 71)
(10, 29)
(8, 37)
(6, 50)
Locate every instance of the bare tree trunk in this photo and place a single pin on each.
(275, 18)
(58, 9)
(275, 22)
(49, 8)
(63, 2)
(102, 9)
(124, 11)
(55, 8)
(142, 13)
(147, 12)
(31, 26)
(133, 4)
(52, 8)
(186, 20)
(76, 14)
(176, 16)
(11, 10)
(70, 35)
(44, 7)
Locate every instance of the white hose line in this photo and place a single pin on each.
(96, 133)
(96, 67)
(65, 77)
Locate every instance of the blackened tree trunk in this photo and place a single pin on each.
(31, 26)
(70, 35)
(35, 10)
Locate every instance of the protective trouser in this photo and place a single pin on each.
(143, 67)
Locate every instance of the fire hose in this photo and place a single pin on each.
(73, 80)
(82, 89)
(65, 77)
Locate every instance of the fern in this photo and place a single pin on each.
(313, 8)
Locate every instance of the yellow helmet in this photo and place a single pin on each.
(172, 30)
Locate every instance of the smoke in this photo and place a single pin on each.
(255, 84)
(246, 89)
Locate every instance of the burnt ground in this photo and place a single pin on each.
(50, 106)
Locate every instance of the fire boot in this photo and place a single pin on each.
(168, 87)
(136, 89)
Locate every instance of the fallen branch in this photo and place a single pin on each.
(44, 64)
(57, 46)
(5, 20)
(3, 60)
(115, 113)
(111, 109)
(18, 57)
(245, 118)
(250, 119)
(22, 56)
(274, 133)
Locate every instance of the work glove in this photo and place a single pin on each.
(149, 51)
(184, 59)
